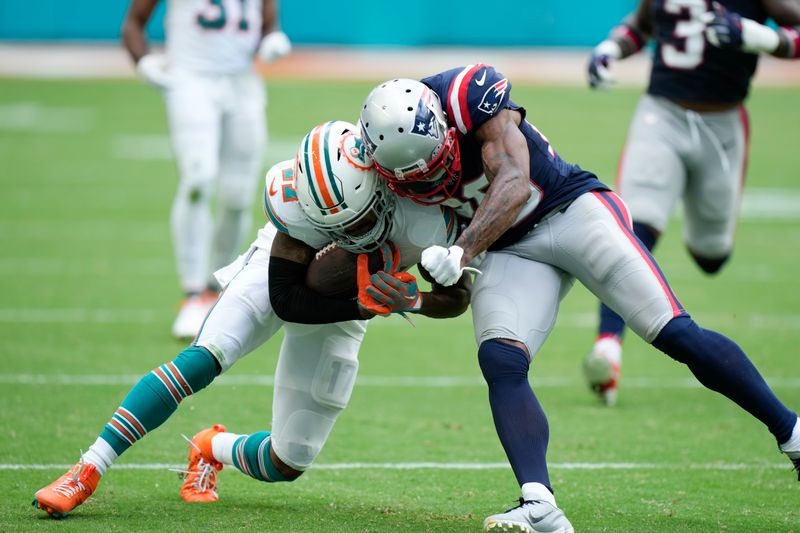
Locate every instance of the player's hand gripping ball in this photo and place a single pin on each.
(332, 273)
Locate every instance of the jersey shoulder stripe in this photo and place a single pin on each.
(457, 98)
(271, 188)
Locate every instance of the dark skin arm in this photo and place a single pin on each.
(291, 249)
(269, 15)
(641, 21)
(441, 302)
(506, 162)
(133, 36)
(445, 302)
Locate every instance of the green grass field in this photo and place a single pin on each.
(89, 291)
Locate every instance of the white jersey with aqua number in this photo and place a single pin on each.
(213, 36)
(414, 227)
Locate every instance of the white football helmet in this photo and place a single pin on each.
(406, 132)
(338, 188)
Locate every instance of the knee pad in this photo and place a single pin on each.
(237, 188)
(302, 437)
(499, 360)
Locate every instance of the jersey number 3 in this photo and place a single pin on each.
(214, 17)
(688, 44)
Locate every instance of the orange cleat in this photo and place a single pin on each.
(200, 477)
(69, 491)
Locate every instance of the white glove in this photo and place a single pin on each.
(599, 70)
(444, 264)
(152, 68)
(274, 46)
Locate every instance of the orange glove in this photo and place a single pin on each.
(365, 302)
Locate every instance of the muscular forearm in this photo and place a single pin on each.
(269, 17)
(133, 36)
(445, 304)
(134, 39)
(495, 214)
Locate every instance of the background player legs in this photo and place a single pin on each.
(241, 157)
(653, 175)
(195, 127)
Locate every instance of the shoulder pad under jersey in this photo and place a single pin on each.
(283, 209)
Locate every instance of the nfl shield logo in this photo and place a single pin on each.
(493, 96)
(425, 120)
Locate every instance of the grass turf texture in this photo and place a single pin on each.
(89, 288)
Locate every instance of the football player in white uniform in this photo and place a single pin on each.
(317, 364)
(216, 112)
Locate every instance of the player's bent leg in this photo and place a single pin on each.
(194, 121)
(148, 405)
(602, 366)
(316, 372)
(314, 379)
(241, 157)
(509, 331)
(721, 365)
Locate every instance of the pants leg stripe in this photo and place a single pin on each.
(614, 204)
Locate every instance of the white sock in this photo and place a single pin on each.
(222, 447)
(792, 446)
(537, 491)
(101, 455)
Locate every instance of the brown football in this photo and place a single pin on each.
(332, 272)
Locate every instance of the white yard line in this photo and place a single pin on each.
(443, 466)
(426, 382)
(33, 315)
(37, 118)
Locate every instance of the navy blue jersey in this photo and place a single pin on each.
(472, 95)
(686, 67)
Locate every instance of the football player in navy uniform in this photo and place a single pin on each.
(689, 136)
(457, 138)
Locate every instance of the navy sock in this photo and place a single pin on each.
(719, 364)
(610, 322)
(519, 419)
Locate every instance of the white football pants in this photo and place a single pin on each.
(218, 129)
(317, 364)
(518, 294)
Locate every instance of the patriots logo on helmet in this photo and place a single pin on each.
(493, 96)
(425, 119)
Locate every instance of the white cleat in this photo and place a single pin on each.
(192, 314)
(602, 369)
(530, 516)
